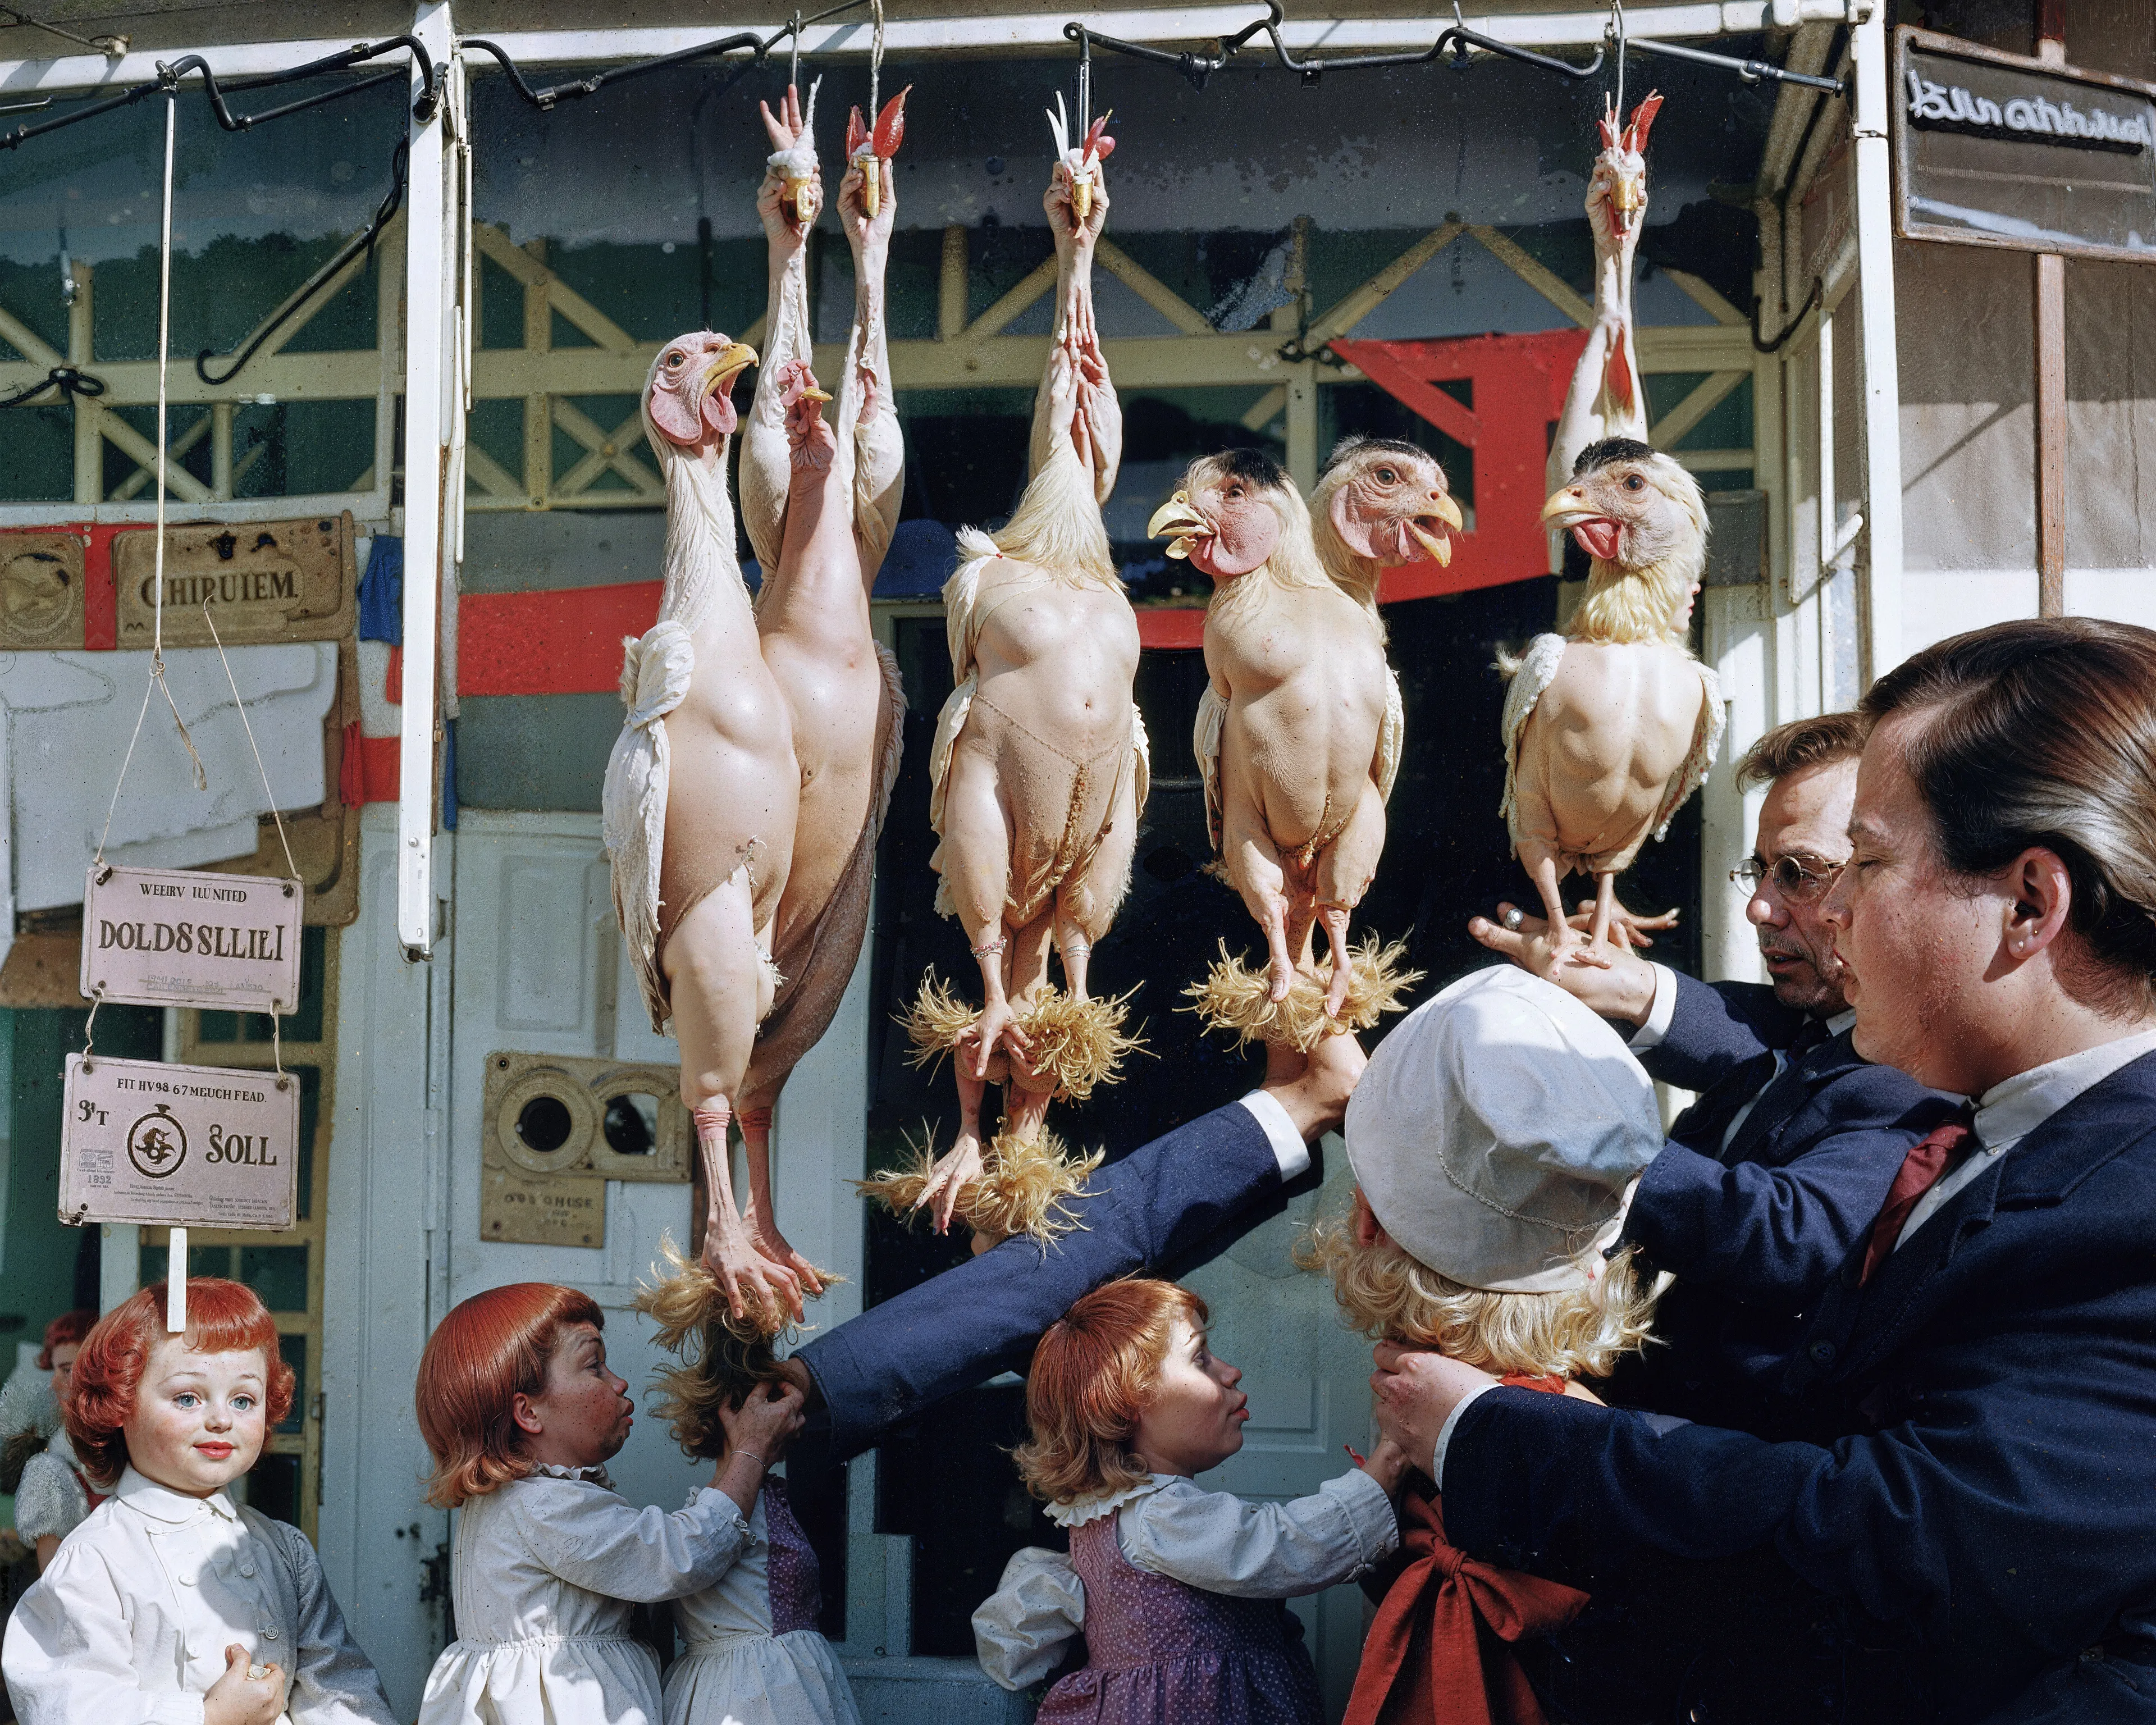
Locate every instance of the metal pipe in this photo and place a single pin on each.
(1883, 600)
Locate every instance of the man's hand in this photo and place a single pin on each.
(1314, 1088)
(1417, 1390)
(1619, 984)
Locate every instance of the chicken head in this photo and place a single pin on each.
(1380, 504)
(1624, 153)
(872, 149)
(687, 397)
(1637, 512)
(794, 155)
(1080, 167)
(1227, 518)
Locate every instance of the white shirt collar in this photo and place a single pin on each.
(588, 1475)
(161, 1503)
(1096, 1504)
(1841, 1021)
(2010, 1111)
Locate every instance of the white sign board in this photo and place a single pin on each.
(146, 1142)
(182, 938)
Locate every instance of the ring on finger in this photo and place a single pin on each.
(1515, 918)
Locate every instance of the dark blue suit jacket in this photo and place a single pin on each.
(1163, 1207)
(1983, 1482)
(1753, 1232)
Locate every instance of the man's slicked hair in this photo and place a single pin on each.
(2042, 734)
(1802, 744)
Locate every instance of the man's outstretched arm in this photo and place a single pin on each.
(1156, 1203)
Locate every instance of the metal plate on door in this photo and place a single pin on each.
(206, 1147)
(183, 937)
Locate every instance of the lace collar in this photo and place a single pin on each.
(588, 1475)
(1096, 1504)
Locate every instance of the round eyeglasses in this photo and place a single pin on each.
(1798, 880)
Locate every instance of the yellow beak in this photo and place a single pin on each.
(871, 183)
(1439, 549)
(1567, 507)
(1081, 197)
(1176, 516)
(1446, 510)
(732, 361)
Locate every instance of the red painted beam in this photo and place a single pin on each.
(1173, 629)
(566, 642)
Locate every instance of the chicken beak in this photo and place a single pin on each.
(1568, 508)
(732, 361)
(1081, 196)
(792, 198)
(815, 395)
(1176, 516)
(1439, 549)
(871, 182)
(1446, 510)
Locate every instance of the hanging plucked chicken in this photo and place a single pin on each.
(1039, 775)
(1610, 725)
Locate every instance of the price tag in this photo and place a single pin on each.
(183, 937)
(206, 1145)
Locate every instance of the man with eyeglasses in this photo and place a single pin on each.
(1773, 1175)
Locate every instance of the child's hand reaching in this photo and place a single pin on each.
(757, 1432)
(1387, 1464)
(241, 1697)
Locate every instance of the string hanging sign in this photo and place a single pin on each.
(146, 1142)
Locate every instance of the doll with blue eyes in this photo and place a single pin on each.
(170, 1602)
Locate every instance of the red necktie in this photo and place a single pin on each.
(1928, 1159)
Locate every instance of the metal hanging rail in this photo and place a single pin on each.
(759, 48)
(169, 76)
(1198, 68)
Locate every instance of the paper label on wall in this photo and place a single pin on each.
(203, 1146)
(263, 581)
(183, 937)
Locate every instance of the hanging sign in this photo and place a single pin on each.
(1999, 150)
(264, 581)
(41, 589)
(203, 1145)
(184, 937)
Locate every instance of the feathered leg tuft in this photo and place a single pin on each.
(1022, 1190)
(1234, 997)
(1079, 1043)
(935, 1021)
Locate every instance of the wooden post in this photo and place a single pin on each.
(2050, 377)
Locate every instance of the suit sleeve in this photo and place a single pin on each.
(983, 1317)
(1775, 1234)
(1717, 1027)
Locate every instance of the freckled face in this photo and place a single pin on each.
(1195, 1418)
(200, 1418)
(584, 1407)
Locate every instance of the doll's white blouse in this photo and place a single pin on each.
(129, 1624)
(1168, 1525)
(545, 1573)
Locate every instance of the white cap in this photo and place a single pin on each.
(1497, 1131)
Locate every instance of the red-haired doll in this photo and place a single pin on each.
(52, 1498)
(171, 1603)
(1177, 1590)
(521, 1413)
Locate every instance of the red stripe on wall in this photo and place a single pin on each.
(1172, 628)
(369, 771)
(566, 642)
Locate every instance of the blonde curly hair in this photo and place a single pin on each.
(723, 1360)
(1388, 1295)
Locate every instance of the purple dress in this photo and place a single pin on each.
(1161, 1652)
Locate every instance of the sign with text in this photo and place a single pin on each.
(184, 937)
(41, 589)
(203, 1146)
(264, 581)
(1999, 150)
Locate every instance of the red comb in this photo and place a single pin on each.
(857, 133)
(1643, 118)
(1098, 146)
(890, 125)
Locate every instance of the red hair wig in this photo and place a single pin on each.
(490, 1349)
(222, 1317)
(70, 1328)
(1093, 1373)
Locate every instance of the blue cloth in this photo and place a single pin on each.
(1978, 1495)
(381, 592)
(1754, 1233)
(1166, 1206)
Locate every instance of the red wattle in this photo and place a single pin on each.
(1598, 538)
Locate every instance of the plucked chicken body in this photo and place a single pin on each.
(1039, 775)
(702, 793)
(1298, 737)
(820, 506)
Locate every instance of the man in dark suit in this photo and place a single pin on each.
(1979, 1511)
(1771, 1177)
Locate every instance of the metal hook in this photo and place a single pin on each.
(1617, 29)
(793, 66)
